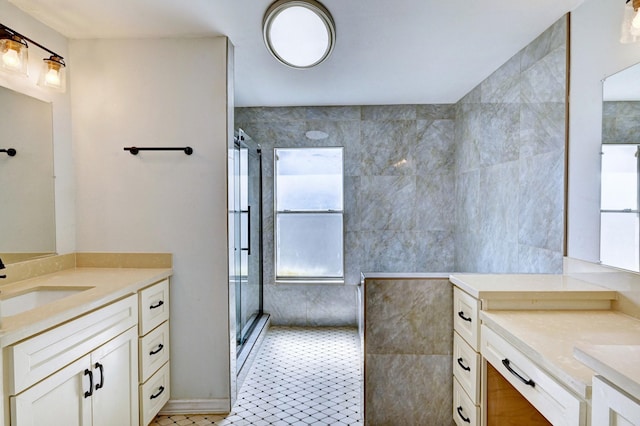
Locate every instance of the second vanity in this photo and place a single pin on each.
(532, 349)
(87, 342)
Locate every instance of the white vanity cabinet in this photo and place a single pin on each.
(154, 348)
(467, 404)
(611, 406)
(83, 372)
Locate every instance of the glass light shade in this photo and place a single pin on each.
(300, 34)
(14, 55)
(53, 75)
(635, 24)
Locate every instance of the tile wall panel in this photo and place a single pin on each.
(399, 166)
(510, 150)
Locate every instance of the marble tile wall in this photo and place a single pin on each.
(620, 122)
(399, 196)
(408, 352)
(510, 151)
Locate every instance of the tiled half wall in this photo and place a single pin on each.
(408, 329)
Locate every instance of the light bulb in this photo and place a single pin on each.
(52, 78)
(52, 75)
(10, 59)
(636, 21)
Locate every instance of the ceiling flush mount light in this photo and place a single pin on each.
(631, 22)
(299, 33)
(13, 47)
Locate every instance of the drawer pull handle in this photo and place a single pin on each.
(89, 373)
(461, 315)
(101, 368)
(464, 419)
(461, 364)
(155, 395)
(528, 382)
(157, 305)
(160, 347)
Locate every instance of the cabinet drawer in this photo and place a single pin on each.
(38, 357)
(466, 367)
(154, 306)
(547, 395)
(465, 317)
(154, 394)
(465, 412)
(154, 351)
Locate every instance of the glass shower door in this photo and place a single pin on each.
(249, 247)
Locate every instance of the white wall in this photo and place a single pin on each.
(595, 54)
(16, 19)
(161, 92)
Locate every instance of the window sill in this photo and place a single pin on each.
(309, 282)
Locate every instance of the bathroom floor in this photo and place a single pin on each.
(302, 376)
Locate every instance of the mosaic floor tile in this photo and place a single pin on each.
(301, 377)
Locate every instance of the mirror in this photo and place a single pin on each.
(27, 212)
(620, 171)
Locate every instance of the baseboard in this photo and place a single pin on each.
(196, 406)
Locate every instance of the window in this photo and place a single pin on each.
(309, 214)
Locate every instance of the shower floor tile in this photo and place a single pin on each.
(302, 376)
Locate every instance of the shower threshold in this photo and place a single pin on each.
(259, 327)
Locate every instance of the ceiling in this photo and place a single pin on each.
(387, 52)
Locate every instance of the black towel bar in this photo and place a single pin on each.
(10, 151)
(134, 150)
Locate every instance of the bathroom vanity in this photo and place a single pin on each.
(514, 343)
(86, 345)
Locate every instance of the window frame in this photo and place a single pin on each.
(276, 213)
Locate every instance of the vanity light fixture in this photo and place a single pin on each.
(299, 33)
(14, 50)
(631, 22)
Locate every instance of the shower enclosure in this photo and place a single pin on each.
(247, 253)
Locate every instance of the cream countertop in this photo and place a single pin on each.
(538, 286)
(106, 285)
(549, 337)
(619, 364)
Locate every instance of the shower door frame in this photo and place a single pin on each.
(243, 331)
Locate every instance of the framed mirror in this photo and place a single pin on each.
(27, 211)
(620, 171)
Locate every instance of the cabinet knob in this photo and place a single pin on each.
(157, 305)
(89, 373)
(462, 315)
(155, 395)
(527, 382)
(464, 419)
(461, 364)
(101, 368)
(160, 347)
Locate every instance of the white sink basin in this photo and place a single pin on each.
(36, 298)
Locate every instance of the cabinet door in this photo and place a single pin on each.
(612, 407)
(62, 399)
(115, 372)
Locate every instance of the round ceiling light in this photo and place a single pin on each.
(299, 33)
